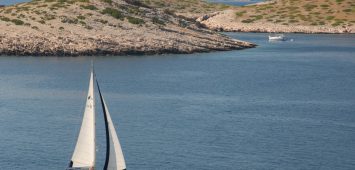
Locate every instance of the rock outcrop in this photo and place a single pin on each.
(97, 27)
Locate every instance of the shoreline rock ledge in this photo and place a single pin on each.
(60, 28)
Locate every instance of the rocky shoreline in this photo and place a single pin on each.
(47, 44)
(75, 29)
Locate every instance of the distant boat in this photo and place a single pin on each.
(84, 154)
(277, 37)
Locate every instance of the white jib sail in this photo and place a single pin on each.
(116, 160)
(84, 153)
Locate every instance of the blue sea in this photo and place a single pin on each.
(11, 2)
(282, 105)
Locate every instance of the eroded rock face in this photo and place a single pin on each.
(99, 28)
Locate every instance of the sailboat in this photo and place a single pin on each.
(84, 154)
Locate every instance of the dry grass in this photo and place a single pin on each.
(59, 14)
(300, 12)
(190, 7)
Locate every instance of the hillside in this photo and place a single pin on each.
(100, 27)
(314, 16)
(187, 8)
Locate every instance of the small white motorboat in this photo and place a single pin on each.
(277, 37)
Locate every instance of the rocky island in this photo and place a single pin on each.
(103, 27)
(296, 16)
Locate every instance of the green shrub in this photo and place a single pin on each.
(241, 13)
(169, 11)
(70, 21)
(309, 7)
(114, 13)
(42, 21)
(337, 23)
(101, 21)
(134, 20)
(17, 22)
(6, 19)
(156, 20)
(90, 7)
(329, 17)
(81, 17)
(89, 27)
(107, 1)
(248, 21)
(257, 17)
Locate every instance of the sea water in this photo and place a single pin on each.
(281, 105)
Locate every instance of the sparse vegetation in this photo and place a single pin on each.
(90, 7)
(156, 20)
(6, 19)
(248, 21)
(101, 21)
(285, 12)
(107, 1)
(241, 13)
(81, 17)
(299, 12)
(35, 27)
(114, 13)
(197, 7)
(17, 22)
(134, 20)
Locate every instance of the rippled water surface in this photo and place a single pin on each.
(286, 105)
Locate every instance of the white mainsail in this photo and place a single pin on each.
(84, 153)
(114, 154)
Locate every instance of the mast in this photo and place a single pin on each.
(84, 153)
(114, 155)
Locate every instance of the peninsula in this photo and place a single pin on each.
(298, 16)
(103, 27)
